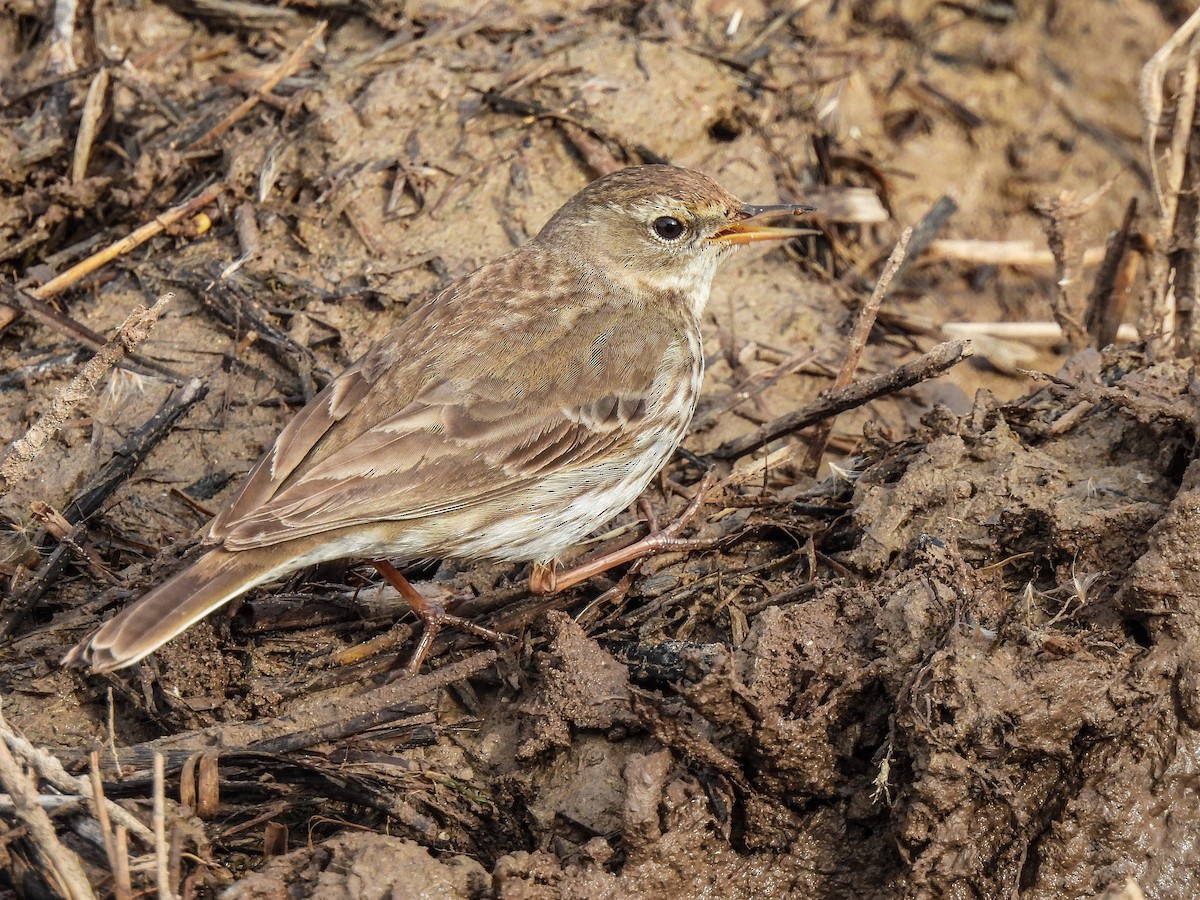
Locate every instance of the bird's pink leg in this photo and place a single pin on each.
(545, 580)
(433, 617)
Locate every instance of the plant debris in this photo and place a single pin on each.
(931, 629)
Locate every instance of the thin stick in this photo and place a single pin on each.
(131, 241)
(1150, 93)
(1060, 217)
(1035, 334)
(14, 302)
(51, 770)
(49, 802)
(1181, 133)
(1184, 254)
(858, 342)
(286, 68)
(111, 731)
(122, 883)
(62, 865)
(337, 731)
(1001, 253)
(832, 403)
(62, 58)
(1158, 317)
(89, 122)
(64, 532)
(179, 747)
(111, 850)
(923, 234)
(913, 242)
(1110, 288)
(135, 329)
(160, 830)
(133, 450)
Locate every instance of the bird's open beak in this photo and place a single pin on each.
(746, 227)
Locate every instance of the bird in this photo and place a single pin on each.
(523, 407)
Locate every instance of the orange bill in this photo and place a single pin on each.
(748, 228)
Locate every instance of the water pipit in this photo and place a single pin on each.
(523, 407)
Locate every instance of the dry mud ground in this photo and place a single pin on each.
(969, 669)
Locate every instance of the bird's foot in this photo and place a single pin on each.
(433, 616)
(545, 579)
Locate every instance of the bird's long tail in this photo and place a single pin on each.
(210, 582)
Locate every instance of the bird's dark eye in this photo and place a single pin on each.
(668, 228)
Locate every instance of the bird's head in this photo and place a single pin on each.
(661, 229)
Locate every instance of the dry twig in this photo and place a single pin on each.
(14, 302)
(165, 891)
(1183, 246)
(62, 865)
(89, 123)
(1150, 93)
(832, 403)
(64, 532)
(98, 489)
(1158, 319)
(1035, 334)
(1059, 217)
(11, 309)
(1002, 253)
(911, 245)
(282, 71)
(1110, 289)
(116, 845)
(131, 241)
(51, 770)
(135, 329)
(858, 342)
(298, 730)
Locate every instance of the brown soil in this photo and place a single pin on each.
(971, 669)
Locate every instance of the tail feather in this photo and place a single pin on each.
(181, 601)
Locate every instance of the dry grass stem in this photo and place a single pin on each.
(89, 124)
(1002, 253)
(1150, 91)
(122, 881)
(62, 865)
(51, 770)
(161, 868)
(1038, 334)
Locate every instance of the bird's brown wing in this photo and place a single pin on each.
(297, 440)
(387, 378)
(521, 404)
